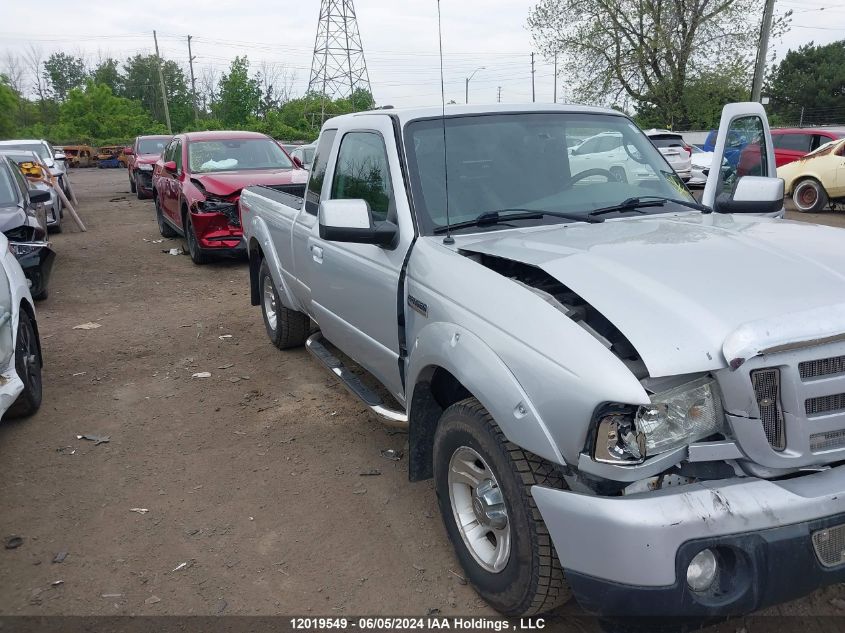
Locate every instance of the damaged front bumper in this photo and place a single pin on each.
(629, 556)
(36, 260)
(217, 227)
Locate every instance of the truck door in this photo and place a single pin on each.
(354, 287)
(748, 122)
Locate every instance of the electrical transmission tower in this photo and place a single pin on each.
(338, 68)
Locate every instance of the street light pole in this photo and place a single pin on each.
(466, 86)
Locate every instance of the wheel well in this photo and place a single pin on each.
(435, 390)
(27, 307)
(256, 256)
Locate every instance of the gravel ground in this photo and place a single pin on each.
(252, 478)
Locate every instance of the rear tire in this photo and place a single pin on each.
(28, 368)
(285, 328)
(163, 227)
(479, 475)
(809, 196)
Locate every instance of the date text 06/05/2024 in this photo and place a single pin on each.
(427, 623)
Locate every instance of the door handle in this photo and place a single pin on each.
(317, 254)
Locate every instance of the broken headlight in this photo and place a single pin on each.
(229, 209)
(676, 417)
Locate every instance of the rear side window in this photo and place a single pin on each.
(362, 172)
(318, 171)
(797, 142)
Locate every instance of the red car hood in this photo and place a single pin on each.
(225, 183)
(149, 159)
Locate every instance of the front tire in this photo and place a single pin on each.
(28, 368)
(163, 227)
(483, 485)
(285, 328)
(194, 250)
(132, 186)
(809, 196)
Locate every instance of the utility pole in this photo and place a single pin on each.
(762, 50)
(193, 82)
(533, 95)
(499, 95)
(555, 78)
(163, 91)
(466, 85)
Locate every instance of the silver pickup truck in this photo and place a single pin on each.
(620, 393)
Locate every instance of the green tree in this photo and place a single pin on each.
(141, 82)
(702, 100)
(647, 51)
(107, 73)
(812, 78)
(63, 73)
(239, 94)
(96, 115)
(8, 108)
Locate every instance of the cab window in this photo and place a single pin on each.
(318, 171)
(362, 173)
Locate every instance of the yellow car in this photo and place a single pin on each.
(817, 180)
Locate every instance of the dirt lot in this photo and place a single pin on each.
(252, 478)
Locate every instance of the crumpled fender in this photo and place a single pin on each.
(486, 376)
(256, 230)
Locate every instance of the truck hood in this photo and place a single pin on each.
(226, 183)
(679, 286)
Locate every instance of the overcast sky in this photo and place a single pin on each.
(399, 38)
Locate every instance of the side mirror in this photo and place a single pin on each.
(170, 166)
(129, 151)
(39, 195)
(752, 194)
(297, 161)
(351, 221)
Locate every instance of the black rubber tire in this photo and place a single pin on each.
(29, 400)
(132, 185)
(292, 327)
(532, 581)
(57, 227)
(198, 256)
(163, 227)
(41, 295)
(813, 187)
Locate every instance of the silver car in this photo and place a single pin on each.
(55, 161)
(54, 208)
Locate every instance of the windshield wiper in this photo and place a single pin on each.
(490, 218)
(636, 205)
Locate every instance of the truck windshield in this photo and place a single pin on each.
(563, 162)
(236, 154)
(152, 145)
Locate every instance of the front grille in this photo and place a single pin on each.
(830, 545)
(825, 404)
(821, 367)
(827, 441)
(767, 391)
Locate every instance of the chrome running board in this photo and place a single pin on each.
(369, 397)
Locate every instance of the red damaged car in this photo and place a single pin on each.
(141, 160)
(199, 178)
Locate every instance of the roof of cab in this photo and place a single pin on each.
(221, 135)
(409, 114)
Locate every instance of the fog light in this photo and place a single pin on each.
(702, 570)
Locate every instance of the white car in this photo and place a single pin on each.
(55, 160)
(700, 167)
(606, 152)
(20, 347)
(674, 150)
